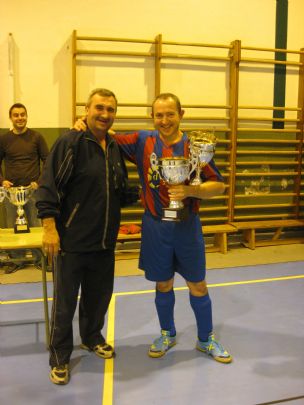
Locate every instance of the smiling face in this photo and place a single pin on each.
(18, 117)
(167, 118)
(100, 114)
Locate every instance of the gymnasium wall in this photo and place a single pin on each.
(36, 55)
(36, 59)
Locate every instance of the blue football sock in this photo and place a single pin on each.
(164, 302)
(202, 309)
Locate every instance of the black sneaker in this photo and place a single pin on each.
(60, 374)
(104, 350)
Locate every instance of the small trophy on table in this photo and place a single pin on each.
(19, 196)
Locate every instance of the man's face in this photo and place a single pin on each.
(166, 117)
(19, 119)
(101, 114)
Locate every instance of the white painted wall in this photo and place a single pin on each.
(42, 29)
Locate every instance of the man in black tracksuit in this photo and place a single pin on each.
(79, 203)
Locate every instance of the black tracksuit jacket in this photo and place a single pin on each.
(82, 190)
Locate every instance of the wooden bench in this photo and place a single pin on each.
(276, 226)
(122, 237)
(220, 242)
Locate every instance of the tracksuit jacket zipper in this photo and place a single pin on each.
(108, 202)
(105, 152)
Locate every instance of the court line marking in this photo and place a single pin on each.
(280, 401)
(108, 377)
(108, 380)
(117, 294)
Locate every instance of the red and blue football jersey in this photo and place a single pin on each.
(138, 147)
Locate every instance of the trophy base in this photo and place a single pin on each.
(21, 228)
(177, 215)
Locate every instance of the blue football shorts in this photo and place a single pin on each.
(168, 247)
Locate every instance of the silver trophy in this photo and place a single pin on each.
(173, 171)
(202, 148)
(19, 196)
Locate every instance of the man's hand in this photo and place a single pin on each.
(180, 192)
(205, 190)
(7, 184)
(50, 239)
(80, 124)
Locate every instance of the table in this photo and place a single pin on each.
(32, 240)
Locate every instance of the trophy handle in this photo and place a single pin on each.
(154, 162)
(194, 161)
(21, 196)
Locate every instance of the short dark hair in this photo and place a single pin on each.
(103, 93)
(16, 105)
(165, 96)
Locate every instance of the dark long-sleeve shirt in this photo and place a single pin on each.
(22, 155)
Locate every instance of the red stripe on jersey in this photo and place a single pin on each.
(148, 199)
(210, 173)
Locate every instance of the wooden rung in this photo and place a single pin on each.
(265, 195)
(260, 217)
(269, 119)
(252, 174)
(255, 107)
(271, 141)
(254, 48)
(266, 152)
(252, 129)
(260, 206)
(269, 163)
(116, 53)
(199, 57)
(271, 61)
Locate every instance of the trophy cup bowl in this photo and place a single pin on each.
(173, 171)
(19, 196)
(202, 149)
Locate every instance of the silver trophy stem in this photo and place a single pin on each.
(196, 181)
(176, 205)
(19, 196)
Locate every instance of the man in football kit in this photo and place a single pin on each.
(171, 246)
